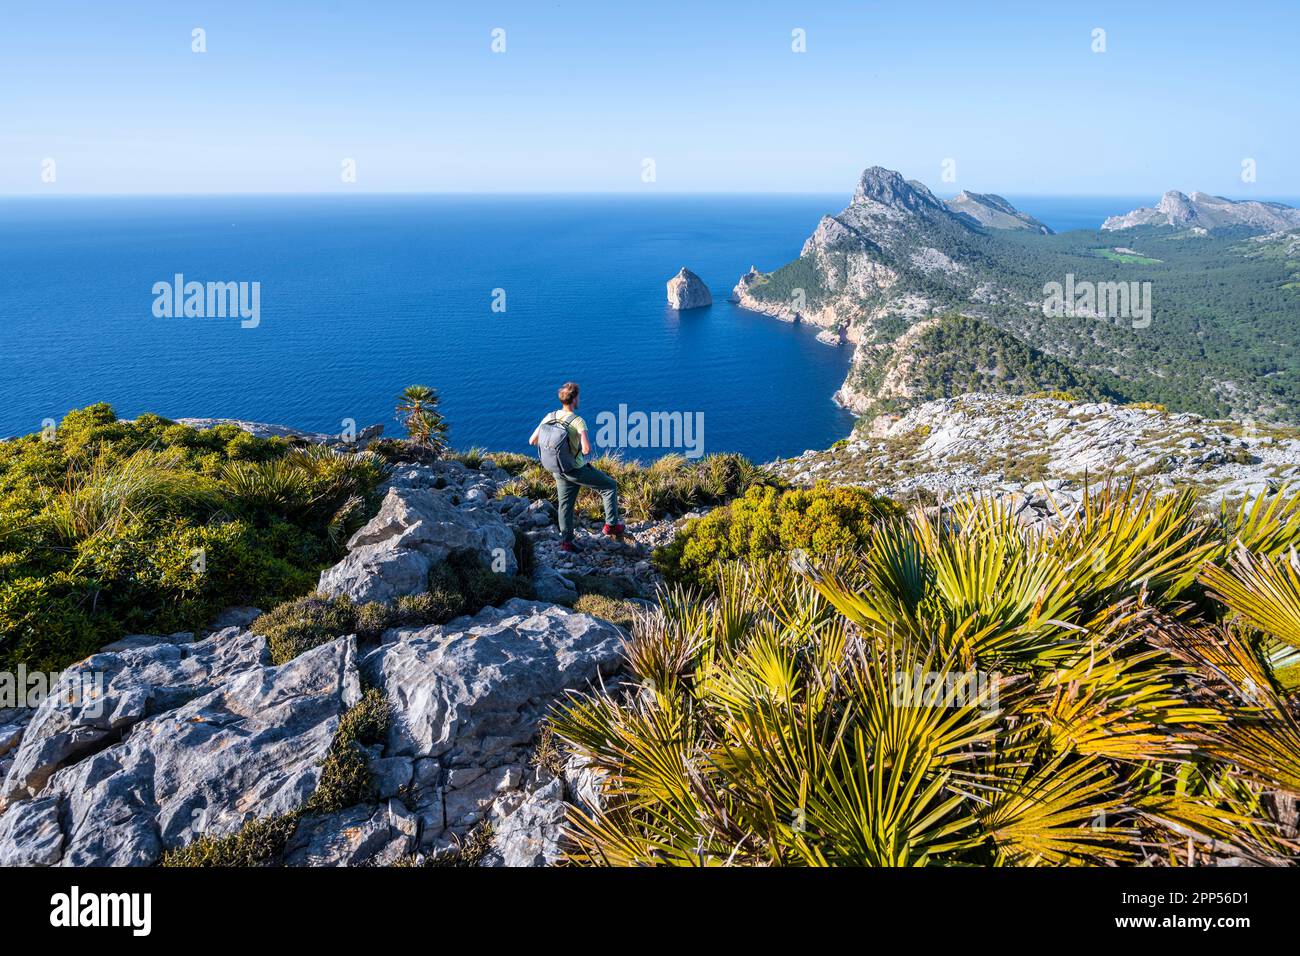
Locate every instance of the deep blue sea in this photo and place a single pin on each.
(362, 295)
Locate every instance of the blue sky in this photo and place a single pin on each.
(586, 92)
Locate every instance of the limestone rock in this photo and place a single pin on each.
(993, 212)
(416, 527)
(473, 690)
(167, 763)
(467, 698)
(1208, 212)
(552, 586)
(121, 689)
(531, 833)
(358, 835)
(686, 290)
(30, 834)
(947, 448)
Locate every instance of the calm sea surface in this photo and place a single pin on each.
(360, 296)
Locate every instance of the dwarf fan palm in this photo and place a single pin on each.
(960, 691)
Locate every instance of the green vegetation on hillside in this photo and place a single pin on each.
(958, 354)
(668, 486)
(1222, 336)
(767, 521)
(110, 527)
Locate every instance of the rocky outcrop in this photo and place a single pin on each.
(297, 435)
(363, 835)
(1203, 211)
(198, 739)
(893, 253)
(896, 256)
(1041, 449)
(127, 687)
(686, 290)
(993, 212)
(467, 698)
(187, 741)
(417, 527)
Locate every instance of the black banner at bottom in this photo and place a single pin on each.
(302, 905)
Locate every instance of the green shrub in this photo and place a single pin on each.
(393, 450)
(472, 459)
(670, 486)
(260, 842)
(462, 584)
(297, 626)
(417, 410)
(345, 776)
(109, 527)
(511, 462)
(767, 521)
(482, 587)
(1055, 395)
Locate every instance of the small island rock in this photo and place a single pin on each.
(686, 290)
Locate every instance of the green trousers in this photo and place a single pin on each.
(567, 487)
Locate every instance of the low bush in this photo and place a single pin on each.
(511, 462)
(965, 693)
(670, 486)
(462, 584)
(259, 842)
(109, 527)
(345, 776)
(296, 626)
(394, 450)
(768, 521)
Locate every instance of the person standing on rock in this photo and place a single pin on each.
(564, 445)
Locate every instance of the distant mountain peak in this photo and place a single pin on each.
(888, 188)
(1202, 210)
(993, 212)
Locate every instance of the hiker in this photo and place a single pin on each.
(562, 442)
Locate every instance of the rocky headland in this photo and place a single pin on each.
(943, 298)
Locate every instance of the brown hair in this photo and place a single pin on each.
(568, 393)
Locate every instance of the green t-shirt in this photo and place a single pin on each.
(576, 427)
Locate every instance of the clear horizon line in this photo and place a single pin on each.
(59, 194)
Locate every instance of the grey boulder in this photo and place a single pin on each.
(477, 686)
(101, 697)
(360, 835)
(467, 698)
(416, 528)
(250, 747)
(531, 833)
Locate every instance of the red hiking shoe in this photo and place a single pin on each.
(569, 547)
(613, 530)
